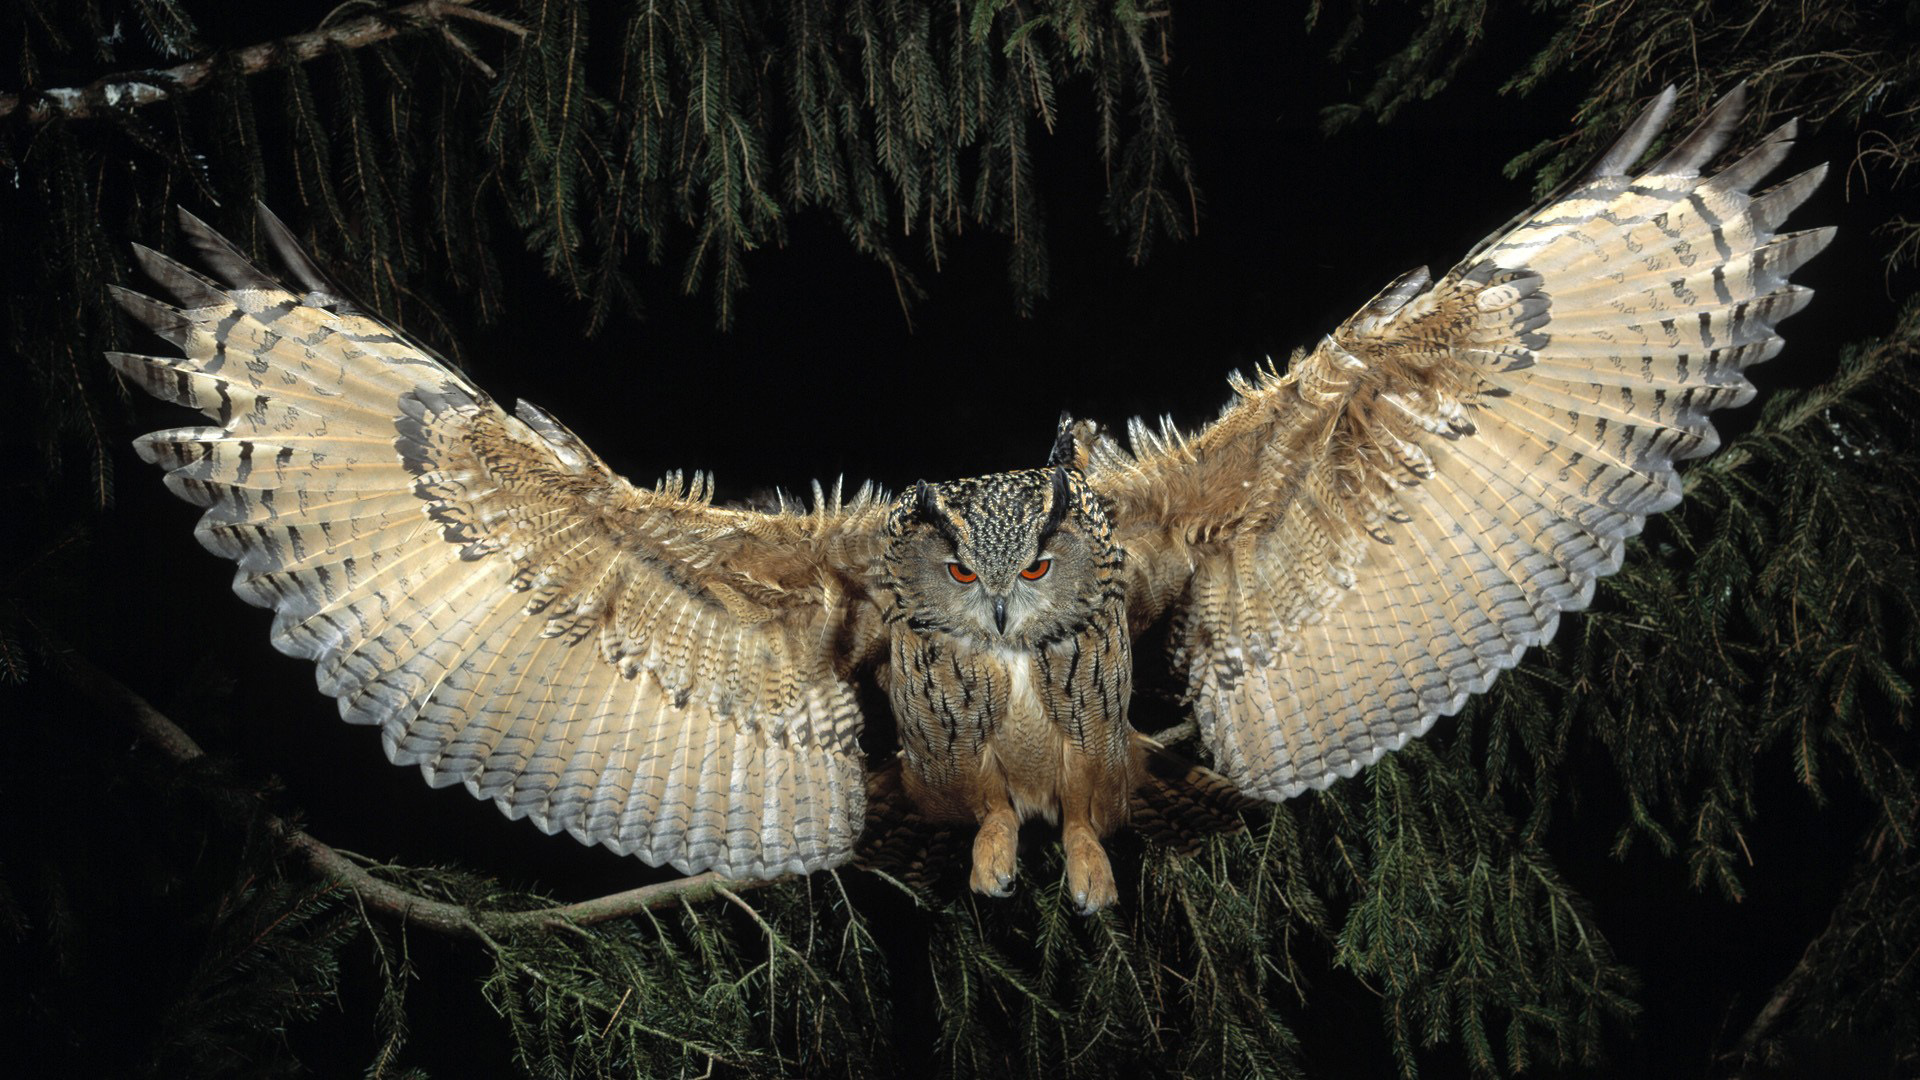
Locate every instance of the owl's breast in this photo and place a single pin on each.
(970, 715)
(948, 699)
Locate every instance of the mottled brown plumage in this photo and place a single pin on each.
(1351, 550)
(1010, 666)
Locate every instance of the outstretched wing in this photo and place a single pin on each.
(1356, 547)
(639, 668)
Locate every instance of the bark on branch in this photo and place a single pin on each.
(132, 89)
(1746, 1053)
(384, 896)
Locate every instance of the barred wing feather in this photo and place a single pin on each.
(639, 668)
(1374, 536)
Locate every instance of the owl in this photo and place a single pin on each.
(1356, 545)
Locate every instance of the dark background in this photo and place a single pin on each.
(820, 377)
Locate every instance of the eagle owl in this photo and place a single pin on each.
(1351, 550)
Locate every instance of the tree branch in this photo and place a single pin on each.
(132, 89)
(1178, 733)
(1746, 1053)
(384, 896)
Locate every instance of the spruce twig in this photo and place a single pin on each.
(133, 89)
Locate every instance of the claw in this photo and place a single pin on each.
(1089, 874)
(994, 856)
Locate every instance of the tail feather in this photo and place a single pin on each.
(900, 841)
(1181, 804)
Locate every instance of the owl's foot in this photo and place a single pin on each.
(994, 851)
(1089, 874)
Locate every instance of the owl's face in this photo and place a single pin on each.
(1014, 560)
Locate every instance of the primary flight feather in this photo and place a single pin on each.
(1354, 547)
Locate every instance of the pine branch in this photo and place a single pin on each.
(133, 89)
(455, 920)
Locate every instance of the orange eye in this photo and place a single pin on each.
(1038, 570)
(961, 574)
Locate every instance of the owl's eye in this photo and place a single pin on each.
(961, 574)
(1038, 570)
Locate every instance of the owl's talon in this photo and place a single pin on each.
(994, 855)
(1089, 874)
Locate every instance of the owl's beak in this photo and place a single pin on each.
(1000, 613)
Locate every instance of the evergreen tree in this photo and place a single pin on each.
(1722, 747)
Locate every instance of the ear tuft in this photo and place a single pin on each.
(1057, 508)
(1066, 449)
(926, 506)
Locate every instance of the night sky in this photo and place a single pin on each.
(820, 376)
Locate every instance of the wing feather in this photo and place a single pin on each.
(638, 668)
(1376, 535)
(469, 727)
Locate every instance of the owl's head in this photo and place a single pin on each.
(1012, 560)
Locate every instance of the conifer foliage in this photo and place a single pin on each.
(1754, 661)
(613, 135)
